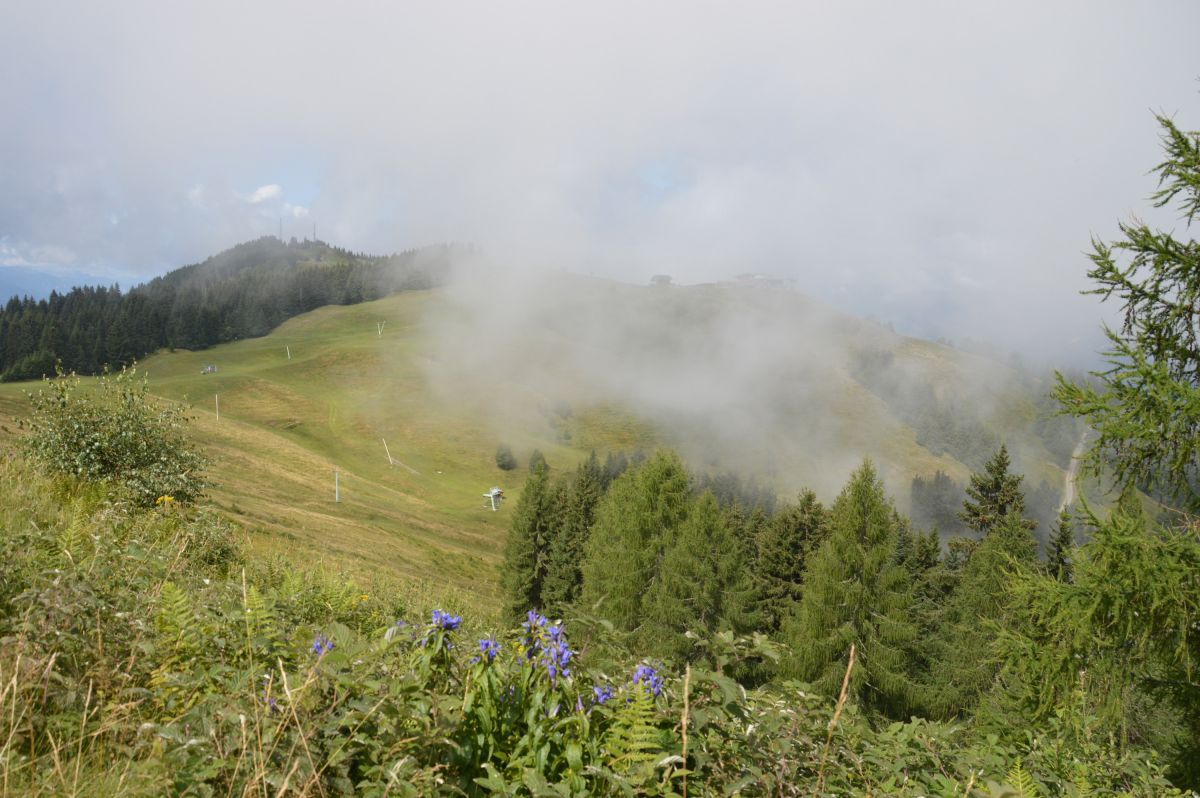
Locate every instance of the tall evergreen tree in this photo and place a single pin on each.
(747, 527)
(1061, 548)
(614, 466)
(979, 606)
(930, 585)
(855, 594)
(702, 585)
(785, 543)
(993, 494)
(564, 574)
(526, 553)
(633, 523)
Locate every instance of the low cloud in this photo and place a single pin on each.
(941, 166)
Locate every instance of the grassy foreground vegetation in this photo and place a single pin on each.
(146, 653)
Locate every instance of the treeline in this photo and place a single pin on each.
(243, 292)
(655, 550)
(661, 559)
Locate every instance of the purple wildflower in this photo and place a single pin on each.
(556, 654)
(445, 621)
(648, 678)
(533, 626)
(321, 645)
(267, 698)
(487, 648)
(601, 694)
(548, 644)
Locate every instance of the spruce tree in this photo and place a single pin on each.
(930, 583)
(523, 575)
(633, 523)
(855, 594)
(993, 494)
(564, 575)
(918, 552)
(702, 585)
(979, 607)
(614, 466)
(785, 543)
(747, 527)
(1061, 546)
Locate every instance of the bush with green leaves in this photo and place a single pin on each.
(111, 430)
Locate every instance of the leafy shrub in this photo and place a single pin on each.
(114, 432)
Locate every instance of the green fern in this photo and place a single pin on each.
(262, 627)
(632, 742)
(1081, 782)
(1023, 783)
(74, 540)
(179, 637)
(177, 625)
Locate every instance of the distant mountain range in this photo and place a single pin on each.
(25, 282)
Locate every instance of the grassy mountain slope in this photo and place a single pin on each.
(286, 425)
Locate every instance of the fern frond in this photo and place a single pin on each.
(74, 540)
(262, 627)
(177, 625)
(1083, 786)
(1023, 783)
(632, 742)
(179, 635)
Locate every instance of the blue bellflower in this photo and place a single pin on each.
(547, 643)
(445, 621)
(648, 678)
(488, 648)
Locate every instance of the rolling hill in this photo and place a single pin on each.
(768, 384)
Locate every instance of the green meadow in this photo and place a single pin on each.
(321, 394)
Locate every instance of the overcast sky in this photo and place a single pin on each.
(940, 165)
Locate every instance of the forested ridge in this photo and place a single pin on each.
(243, 292)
